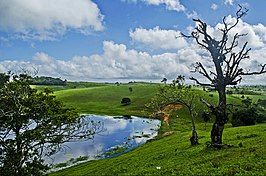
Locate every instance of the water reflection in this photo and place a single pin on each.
(120, 132)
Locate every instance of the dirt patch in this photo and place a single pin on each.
(167, 109)
(164, 114)
(168, 133)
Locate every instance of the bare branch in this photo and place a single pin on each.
(202, 84)
(200, 69)
(262, 70)
(207, 104)
(184, 35)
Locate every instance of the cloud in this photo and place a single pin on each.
(48, 19)
(170, 4)
(192, 15)
(229, 2)
(116, 62)
(119, 62)
(214, 6)
(157, 38)
(174, 5)
(256, 34)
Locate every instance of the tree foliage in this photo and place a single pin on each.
(43, 80)
(245, 117)
(34, 125)
(249, 114)
(125, 101)
(177, 93)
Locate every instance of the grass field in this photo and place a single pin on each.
(106, 100)
(172, 155)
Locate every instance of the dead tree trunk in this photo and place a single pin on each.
(227, 71)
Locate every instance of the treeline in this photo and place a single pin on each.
(43, 80)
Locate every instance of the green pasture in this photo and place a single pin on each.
(106, 100)
(171, 155)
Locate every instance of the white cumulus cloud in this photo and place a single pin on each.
(48, 19)
(157, 38)
(229, 2)
(170, 4)
(117, 61)
(214, 6)
(255, 34)
(174, 5)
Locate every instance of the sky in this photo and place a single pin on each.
(104, 40)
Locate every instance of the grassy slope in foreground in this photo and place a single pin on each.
(174, 155)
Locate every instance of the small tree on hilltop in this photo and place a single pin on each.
(130, 89)
(226, 59)
(34, 125)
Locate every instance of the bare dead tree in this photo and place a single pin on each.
(226, 58)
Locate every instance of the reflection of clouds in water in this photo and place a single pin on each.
(144, 127)
(75, 150)
(118, 131)
(110, 124)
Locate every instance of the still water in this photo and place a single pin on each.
(126, 133)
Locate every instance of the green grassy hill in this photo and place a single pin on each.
(172, 155)
(106, 100)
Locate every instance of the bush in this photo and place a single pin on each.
(125, 101)
(262, 103)
(247, 117)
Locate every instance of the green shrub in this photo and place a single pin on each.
(125, 101)
(246, 117)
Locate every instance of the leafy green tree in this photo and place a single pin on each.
(3, 79)
(43, 80)
(34, 125)
(177, 92)
(245, 117)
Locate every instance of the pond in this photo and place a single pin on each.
(120, 135)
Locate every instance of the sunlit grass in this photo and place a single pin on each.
(172, 155)
(106, 100)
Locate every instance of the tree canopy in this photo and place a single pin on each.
(44, 80)
(177, 93)
(34, 125)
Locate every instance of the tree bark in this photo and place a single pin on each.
(221, 117)
(194, 140)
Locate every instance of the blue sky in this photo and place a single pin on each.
(117, 39)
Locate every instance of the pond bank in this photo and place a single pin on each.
(121, 135)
